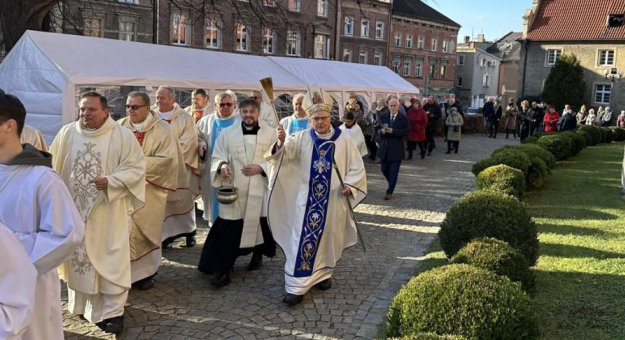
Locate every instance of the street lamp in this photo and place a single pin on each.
(613, 75)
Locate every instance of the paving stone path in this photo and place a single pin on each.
(183, 305)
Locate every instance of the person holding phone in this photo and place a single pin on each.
(392, 128)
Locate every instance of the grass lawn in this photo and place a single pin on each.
(580, 275)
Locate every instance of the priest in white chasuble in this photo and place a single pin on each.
(103, 166)
(37, 207)
(209, 129)
(353, 130)
(241, 227)
(308, 210)
(299, 120)
(180, 210)
(267, 114)
(33, 137)
(161, 151)
(200, 107)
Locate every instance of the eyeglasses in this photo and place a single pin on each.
(135, 107)
(254, 97)
(225, 104)
(318, 119)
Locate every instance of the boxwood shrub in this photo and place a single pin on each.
(536, 174)
(594, 131)
(587, 137)
(579, 142)
(512, 158)
(463, 300)
(489, 213)
(558, 145)
(498, 257)
(501, 177)
(430, 336)
(619, 134)
(608, 134)
(530, 140)
(531, 150)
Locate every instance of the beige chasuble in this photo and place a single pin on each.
(33, 137)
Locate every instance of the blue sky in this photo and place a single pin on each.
(494, 18)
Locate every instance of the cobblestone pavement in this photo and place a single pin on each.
(183, 305)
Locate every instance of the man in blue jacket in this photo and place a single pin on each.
(392, 127)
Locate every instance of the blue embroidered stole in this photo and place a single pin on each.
(298, 125)
(218, 126)
(316, 204)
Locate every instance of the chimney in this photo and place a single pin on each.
(467, 39)
(480, 38)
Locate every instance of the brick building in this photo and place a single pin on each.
(364, 31)
(423, 47)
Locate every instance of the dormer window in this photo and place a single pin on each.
(616, 20)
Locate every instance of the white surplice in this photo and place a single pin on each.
(98, 273)
(209, 129)
(309, 217)
(239, 150)
(18, 279)
(357, 137)
(268, 115)
(37, 207)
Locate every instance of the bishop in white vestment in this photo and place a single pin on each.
(241, 228)
(180, 211)
(103, 166)
(33, 137)
(209, 129)
(37, 207)
(308, 211)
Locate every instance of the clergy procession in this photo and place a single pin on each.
(97, 207)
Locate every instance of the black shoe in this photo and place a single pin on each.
(456, 151)
(448, 152)
(190, 241)
(255, 263)
(325, 284)
(422, 156)
(167, 243)
(429, 154)
(145, 284)
(494, 136)
(113, 325)
(220, 280)
(409, 158)
(292, 299)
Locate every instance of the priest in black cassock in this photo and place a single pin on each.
(241, 227)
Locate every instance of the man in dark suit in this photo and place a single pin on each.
(434, 113)
(392, 127)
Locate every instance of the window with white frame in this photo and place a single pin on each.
(269, 41)
(292, 43)
(398, 39)
(322, 8)
(486, 80)
(379, 30)
(460, 59)
(347, 55)
(295, 5)
(213, 34)
(603, 92)
(93, 27)
(552, 56)
(396, 63)
(242, 38)
(377, 58)
(364, 28)
(421, 43)
(418, 70)
(322, 46)
(362, 58)
(127, 31)
(606, 58)
(129, 1)
(407, 67)
(434, 44)
(180, 29)
(445, 46)
(408, 40)
(349, 26)
(459, 81)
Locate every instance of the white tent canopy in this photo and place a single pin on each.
(45, 70)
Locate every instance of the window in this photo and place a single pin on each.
(433, 68)
(459, 81)
(486, 80)
(398, 39)
(349, 26)
(379, 30)
(434, 44)
(606, 58)
(270, 3)
(364, 28)
(322, 8)
(418, 68)
(295, 5)
(180, 29)
(420, 43)
(396, 63)
(269, 41)
(347, 55)
(242, 42)
(127, 31)
(407, 66)
(322, 46)
(443, 70)
(292, 43)
(409, 41)
(552, 56)
(460, 59)
(128, 1)
(483, 62)
(213, 34)
(445, 46)
(377, 58)
(363, 57)
(93, 27)
(602, 94)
